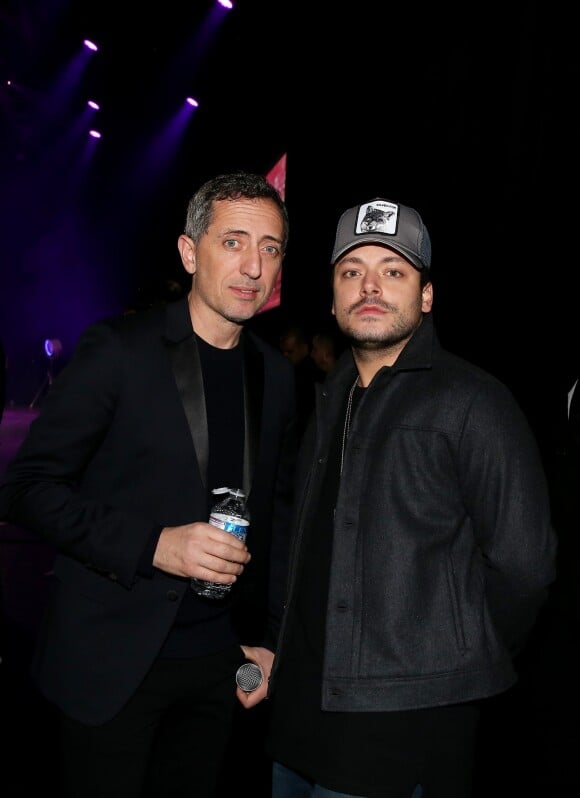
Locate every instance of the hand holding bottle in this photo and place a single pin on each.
(230, 514)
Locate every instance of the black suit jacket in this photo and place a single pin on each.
(119, 451)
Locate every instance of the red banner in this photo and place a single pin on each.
(277, 177)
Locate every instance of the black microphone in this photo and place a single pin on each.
(249, 677)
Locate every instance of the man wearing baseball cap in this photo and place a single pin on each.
(423, 547)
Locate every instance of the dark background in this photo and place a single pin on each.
(468, 114)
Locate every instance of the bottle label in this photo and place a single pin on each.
(230, 523)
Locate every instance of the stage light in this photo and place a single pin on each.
(92, 104)
(94, 134)
(91, 45)
(192, 102)
(226, 3)
(52, 348)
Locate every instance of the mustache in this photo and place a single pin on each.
(371, 301)
(254, 286)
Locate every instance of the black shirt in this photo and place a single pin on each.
(204, 626)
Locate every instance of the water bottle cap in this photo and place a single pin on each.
(238, 492)
(219, 491)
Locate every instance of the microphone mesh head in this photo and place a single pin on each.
(249, 677)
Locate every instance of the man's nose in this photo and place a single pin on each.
(370, 286)
(252, 264)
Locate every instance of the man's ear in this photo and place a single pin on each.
(427, 298)
(186, 248)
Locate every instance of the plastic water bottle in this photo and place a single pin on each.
(230, 514)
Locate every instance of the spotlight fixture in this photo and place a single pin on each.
(52, 348)
(192, 102)
(91, 45)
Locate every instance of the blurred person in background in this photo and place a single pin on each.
(295, 346)
(324, 350)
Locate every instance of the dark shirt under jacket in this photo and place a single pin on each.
(203, 626)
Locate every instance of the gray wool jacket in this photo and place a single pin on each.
(443, 550)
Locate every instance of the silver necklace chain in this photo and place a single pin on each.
(346, 428)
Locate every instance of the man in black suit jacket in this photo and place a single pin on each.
(154, 410)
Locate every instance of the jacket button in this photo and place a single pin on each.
(172, 595)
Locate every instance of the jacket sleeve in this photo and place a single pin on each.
(41, 486)
(506, 494)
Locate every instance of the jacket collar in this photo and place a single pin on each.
(178, 321)
(417, 354)
(182, 348)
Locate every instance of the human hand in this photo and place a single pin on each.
(202, 551)
(264, 659)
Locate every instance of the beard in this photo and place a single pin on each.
(372, 336)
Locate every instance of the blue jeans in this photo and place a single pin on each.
(287, 783)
